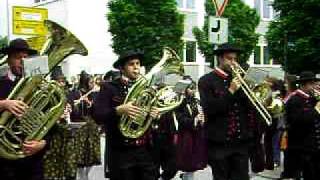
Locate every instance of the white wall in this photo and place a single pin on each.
(93, 32)
(87, 21)
(3, 18)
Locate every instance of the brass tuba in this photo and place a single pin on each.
(145, 96)
(46, 100)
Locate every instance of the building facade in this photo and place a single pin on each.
(87, 20)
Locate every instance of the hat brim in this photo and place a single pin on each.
(122, 60)
(308, 79)
(221, 51)
(29, 51)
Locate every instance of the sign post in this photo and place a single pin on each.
(220, 5)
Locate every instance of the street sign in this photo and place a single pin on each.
(29, 21)
(218, 30)
(29, 28)
(220, 5)
(29, 14)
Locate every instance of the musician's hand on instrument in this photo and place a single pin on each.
(200, 118)
(16, 107)
(33, 146)
(234, 85)
(128, 109)
(155, 113)
(86, 100)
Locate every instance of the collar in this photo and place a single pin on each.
(286, 99)
(10, 75)
(296, 92)
(222, 74)
(302, 93)
(126, 81)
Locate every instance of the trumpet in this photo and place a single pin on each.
(239, 72)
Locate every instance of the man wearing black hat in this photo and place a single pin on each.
(229, 118)
(29, 168)
(129, 159)
(303, 120)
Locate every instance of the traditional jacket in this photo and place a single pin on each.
(230, 117)
(303, 122)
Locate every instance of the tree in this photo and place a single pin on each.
(146, 25)
(294, 37)
(242, 24)
(3, 43)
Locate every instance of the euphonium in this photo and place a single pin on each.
(145, 96)
(256, 97)
(46, 100)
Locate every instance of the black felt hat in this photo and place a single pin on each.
(18, 45)
(307, 76)
(128, 56)
(226, 48)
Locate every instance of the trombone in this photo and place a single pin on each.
(239, 72)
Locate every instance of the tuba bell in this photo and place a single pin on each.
(46, 100)
(145, 96)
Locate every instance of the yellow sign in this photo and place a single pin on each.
(29, 28)
(36, 42)
(29, 14)
(29, 21)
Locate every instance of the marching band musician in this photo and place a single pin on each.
(130, 159)
(31, 167)
(303, 120)
(87, 135)
(229, 118)
(192, 151)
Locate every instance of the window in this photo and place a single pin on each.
(191, 50)
(186, 4)
(190, 22)
(190, 4)
(180, 3)
(257, 6)
(264, 8)
(257, 53)
(262, 56)
(266, 56)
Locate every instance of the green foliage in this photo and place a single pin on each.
(147, 25)
(242, 24)
(294, 37)
(3, 43)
